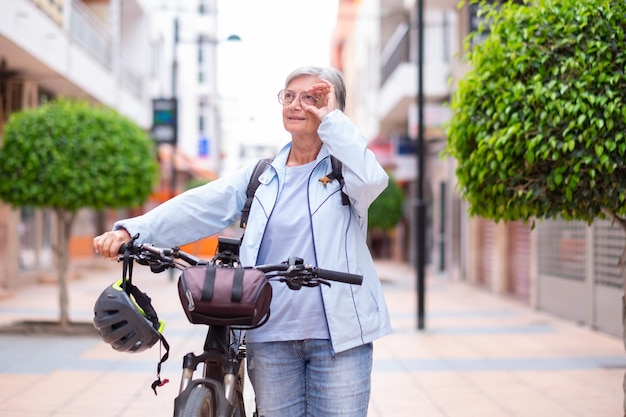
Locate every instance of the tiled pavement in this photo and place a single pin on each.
(479, 355)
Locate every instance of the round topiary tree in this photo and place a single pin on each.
(67, 155)
(539, 120)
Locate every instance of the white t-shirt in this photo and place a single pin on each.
(294, 315)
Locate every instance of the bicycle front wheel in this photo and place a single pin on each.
(199, 403)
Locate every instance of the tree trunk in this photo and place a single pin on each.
(101, 221)
(65, 220)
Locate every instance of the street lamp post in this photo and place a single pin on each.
(175, 101)
(420, 203)
(172, 105)
(200, 40)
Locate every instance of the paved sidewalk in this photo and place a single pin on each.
(489, 356)
(479, 356)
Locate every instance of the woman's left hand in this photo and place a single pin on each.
(325, 93)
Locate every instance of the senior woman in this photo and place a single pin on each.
(314, 355)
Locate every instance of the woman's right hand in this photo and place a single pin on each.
(325, 90)
(108, 244)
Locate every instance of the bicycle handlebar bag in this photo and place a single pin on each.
(221, 295)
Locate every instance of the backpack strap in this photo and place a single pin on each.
(260, 167)
(337, 175)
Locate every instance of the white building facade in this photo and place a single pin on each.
(118, 53)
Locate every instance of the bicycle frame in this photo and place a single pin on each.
(223, 358)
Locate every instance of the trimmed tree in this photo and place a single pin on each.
(67, 155)
(539, 120)
(386, 212)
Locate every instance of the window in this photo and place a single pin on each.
(203, 8)
(201, 59)
(201, 120)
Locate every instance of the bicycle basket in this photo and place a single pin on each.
(221, 295)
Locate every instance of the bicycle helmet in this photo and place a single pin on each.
(127, 322)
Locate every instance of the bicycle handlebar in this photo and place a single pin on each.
(291, 268)
(294, 269)
(344, 277)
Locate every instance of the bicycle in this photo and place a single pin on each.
(219, 391)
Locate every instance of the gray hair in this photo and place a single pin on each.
(327, 73)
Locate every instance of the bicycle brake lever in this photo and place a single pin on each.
(323, 281)
(293, 285)
(314, 282)
(142, 261)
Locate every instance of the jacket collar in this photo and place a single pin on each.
(281, 158)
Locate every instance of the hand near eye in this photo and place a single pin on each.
(325, 92)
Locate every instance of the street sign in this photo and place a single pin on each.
(204, 147)
(164, 120)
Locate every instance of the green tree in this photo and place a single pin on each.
(384, 214)
(196, 182)
(386, 211)
(539, 120)
(67, 155)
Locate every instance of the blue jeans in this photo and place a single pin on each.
(305, 378)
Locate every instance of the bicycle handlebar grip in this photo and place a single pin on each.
(344, 277)
(272, 267)
(127, 246)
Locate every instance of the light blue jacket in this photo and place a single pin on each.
(355, 314)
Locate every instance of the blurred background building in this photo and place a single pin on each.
(567, 268)
(127, 53)
(119, 53)
(184, 43)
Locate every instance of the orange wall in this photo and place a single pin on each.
(205, 248)
(81, 247)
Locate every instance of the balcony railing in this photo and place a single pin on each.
(94, 38)
(90, 34)
(395, 52)
(437, 51)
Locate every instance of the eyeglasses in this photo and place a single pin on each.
(286, 97)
